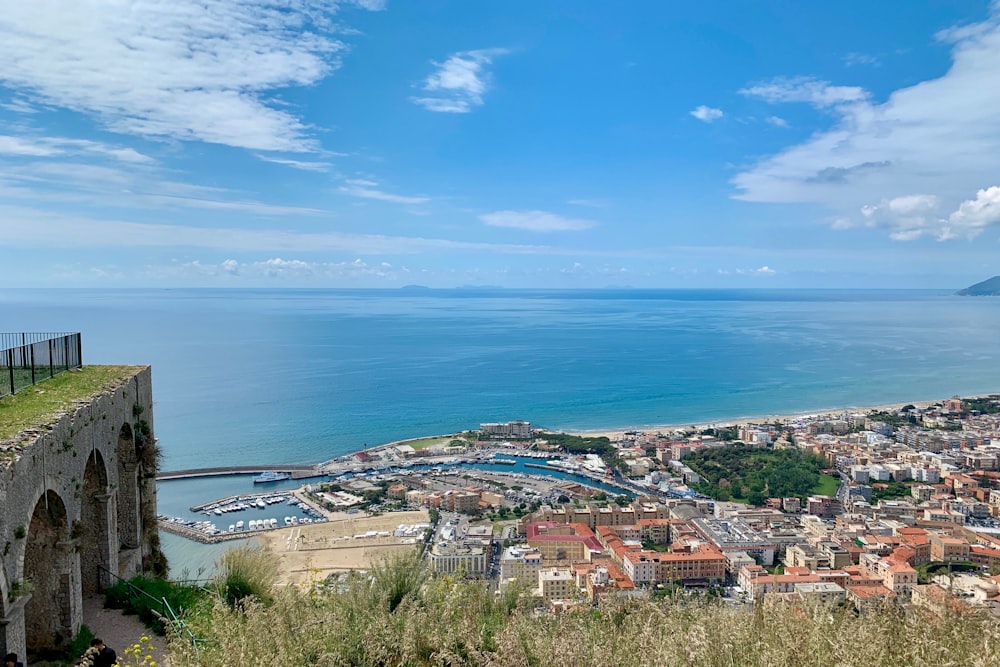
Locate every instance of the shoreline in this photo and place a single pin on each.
(619, 433)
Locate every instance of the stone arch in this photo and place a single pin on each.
(93, 529)
(48, 568)
(128, 490)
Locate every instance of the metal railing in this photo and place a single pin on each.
(160, 607)
(29, 358)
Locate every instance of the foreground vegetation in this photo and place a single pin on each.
(395, 615)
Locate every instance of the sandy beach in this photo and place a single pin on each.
(620, 434)
(313, 551)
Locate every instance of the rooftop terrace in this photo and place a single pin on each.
(41, 404)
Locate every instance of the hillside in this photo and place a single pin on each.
(990, 287)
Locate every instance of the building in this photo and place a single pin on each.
(557, 583)
(757, 583)
(563, 542)
(735, 535)
(515, 430)
(520, 564)
(946, 549)
(449, 557)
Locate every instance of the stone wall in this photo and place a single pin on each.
(79, 502)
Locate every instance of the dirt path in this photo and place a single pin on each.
(120, 631)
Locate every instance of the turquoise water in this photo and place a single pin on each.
(296, 376)
(291, 376)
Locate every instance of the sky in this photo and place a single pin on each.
(515, 143)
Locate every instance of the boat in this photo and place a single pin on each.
(271, 476)
(261, 504)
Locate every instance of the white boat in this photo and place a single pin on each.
(295, 520)
(273, 523)
(270, 476)
(239, 525)
(261, 504)
(288, 520)
(232, 528)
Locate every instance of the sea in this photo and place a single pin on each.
(273, 376)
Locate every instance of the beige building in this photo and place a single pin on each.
(520, 564)
(946, 549)
(566, 542)
(557, 583)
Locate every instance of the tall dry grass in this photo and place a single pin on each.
(449, 621)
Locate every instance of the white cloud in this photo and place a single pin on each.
(368, 189)
(852, 59)
(132, 186)
(459, 83)
(28, 146)
(535, 221)
(762, 271)
(706, 114)
(304, 165)
(937, 138)
(805, 89)
(974, 215)
(27, 227)
(19, 146)
(204, 70)
(907, 218)
(18, 105)
(777, 121)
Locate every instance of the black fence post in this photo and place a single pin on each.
(31, 348)
(52, 369)
(10, 368)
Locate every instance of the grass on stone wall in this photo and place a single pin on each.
(40, 403)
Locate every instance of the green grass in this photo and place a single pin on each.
(826, 486)
(182, 598)
(424, 443)
(40, 403)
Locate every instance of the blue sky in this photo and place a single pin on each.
(508, 142)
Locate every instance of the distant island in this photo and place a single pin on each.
(990, 287)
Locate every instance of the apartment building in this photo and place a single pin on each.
(520, 564)
(948, 549)
(557, 583)
(564, 542)
(515, 430)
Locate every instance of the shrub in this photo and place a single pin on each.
(246, 573)
(144, 596)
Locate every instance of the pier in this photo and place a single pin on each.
(297, 471)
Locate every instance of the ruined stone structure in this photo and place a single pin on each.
(77, 501)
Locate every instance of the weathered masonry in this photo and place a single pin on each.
(77, 502)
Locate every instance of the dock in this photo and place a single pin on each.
(297, 471)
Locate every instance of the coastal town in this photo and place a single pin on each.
(903, 507)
